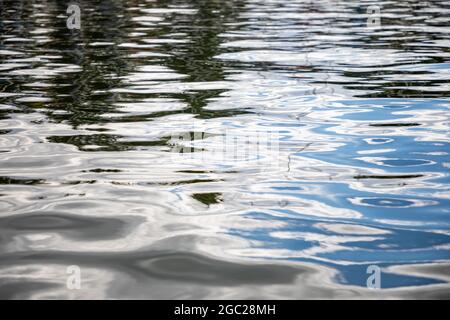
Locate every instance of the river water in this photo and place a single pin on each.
(225, 149)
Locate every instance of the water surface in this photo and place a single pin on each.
(224, 149)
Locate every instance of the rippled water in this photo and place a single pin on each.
(353, 171)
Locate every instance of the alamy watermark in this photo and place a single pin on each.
(74, 277)
(74, 18)
(374, 17)
(228, 146)
(374, 280)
